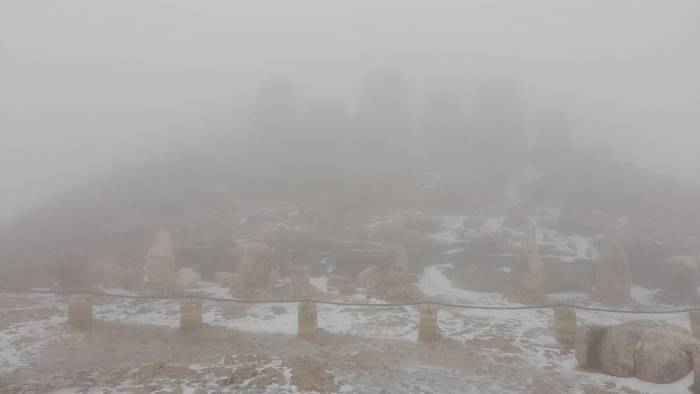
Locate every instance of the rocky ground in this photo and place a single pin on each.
(136, 346)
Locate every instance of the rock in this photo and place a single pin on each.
(339, 280)
(254, 266)
(587, 343)
(651, 351)
(369, 277)
(187, 278)
(618, 348)
(664, 355)
(225, 278)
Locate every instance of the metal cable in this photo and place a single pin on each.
(355, 304)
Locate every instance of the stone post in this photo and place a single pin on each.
(695, 323)
(428, 325)
(308, 319)
(564, 326)
(695, 387)
(190, 314)
(80, 312)
(300, 275)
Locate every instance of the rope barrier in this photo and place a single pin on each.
(355, 304)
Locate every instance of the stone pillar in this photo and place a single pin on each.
(428, 326)
(588, 339)
(80, 312)
(612, 274)
(308, 319)
(300, 275)
(564, 326)
(695, 323)
(695, 387)
(190, 314)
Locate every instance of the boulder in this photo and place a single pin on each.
(651, 351)
(664, 355)
(187, 278)
(369, 277)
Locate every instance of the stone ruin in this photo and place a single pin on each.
(160, 266)
(190, 314)
(612, 273)
(307, 319)
(528, 274)
(300, 276)
(254, 266)
(428, 323)
(80, 312)
(648, 350)
(565, 326)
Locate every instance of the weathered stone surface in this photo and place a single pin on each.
(565, 326)
(618, 348)
(339, 280)
(254, 265)
(307, 319)
(190, 314)
(369, 277)
(80, 312)
(664, 356)
(428, 325)
(612, 275)
(160, 265)
(187, 278)
(588, 339)
(651, 351)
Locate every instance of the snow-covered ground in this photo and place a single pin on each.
(521, 334)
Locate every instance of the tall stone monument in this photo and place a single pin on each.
(529, 274)
(160, 265)
(254, 266)
(612, 274)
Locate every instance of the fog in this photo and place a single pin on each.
(87, 87)
(357, 196)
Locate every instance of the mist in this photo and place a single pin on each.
(87, 88)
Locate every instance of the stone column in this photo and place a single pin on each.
(300, 275)
(190, 314)
(564, 326)
(80, 312)
(695, 387)
(428, 326)
(695, 323)
(308, 319)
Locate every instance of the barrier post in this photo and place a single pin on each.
(307, 319)
(564, 326)
(80, 312)
(428, 325)
(190, 314)
(694, 317)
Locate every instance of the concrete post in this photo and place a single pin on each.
(307, 319)
(694, 317)
(564, 326)
(190, 314)
(80, 312)
(695, 387)
(428, 325)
